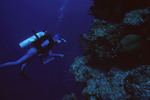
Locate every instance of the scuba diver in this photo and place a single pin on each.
(42, 44)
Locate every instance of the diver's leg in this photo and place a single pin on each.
(9, 64)
(27, 57)
(22, 70)
(24, 66)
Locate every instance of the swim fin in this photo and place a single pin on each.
(24, 76)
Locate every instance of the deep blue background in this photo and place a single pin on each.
(17, 19)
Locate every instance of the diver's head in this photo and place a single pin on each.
(58, 39)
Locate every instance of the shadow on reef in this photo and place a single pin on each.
(116, 52)
(124, 61)
(114, 10)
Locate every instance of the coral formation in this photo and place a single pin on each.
(101, 40)
(137, 83)
(106, 41)
(136, 17)
(115, 85)
(115, 63)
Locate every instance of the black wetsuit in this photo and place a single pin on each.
(39, 48)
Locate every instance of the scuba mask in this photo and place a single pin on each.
(58, 38)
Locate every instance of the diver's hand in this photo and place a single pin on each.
(61, 55)
(57, 55)
(39, 55)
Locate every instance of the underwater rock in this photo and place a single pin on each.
(131, 43)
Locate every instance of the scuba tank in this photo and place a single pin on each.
(31, 39)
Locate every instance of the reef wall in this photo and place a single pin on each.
(116, 52)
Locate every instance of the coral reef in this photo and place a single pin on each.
(106, 41)
(137, 17)
(114, 85)
(82, 72)
(102, 37)
(115, 63)
(137, 83)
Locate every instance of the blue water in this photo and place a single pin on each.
(17, 20)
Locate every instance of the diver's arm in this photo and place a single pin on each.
(45, 58)
(55, 55)
(45, 43)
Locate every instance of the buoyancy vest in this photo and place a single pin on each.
(39, 48)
